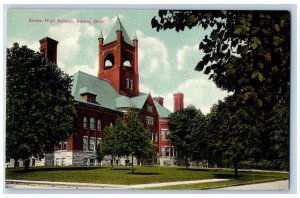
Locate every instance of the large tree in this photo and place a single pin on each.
(187, 134)
(234, 132)
(136, 140)
(128, 137)
(112, 143)
(40, 107)
(247, 52)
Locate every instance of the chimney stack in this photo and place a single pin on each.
(48, 48)
(160, 100)
(178, 102)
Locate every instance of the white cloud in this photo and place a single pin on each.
(32, 45)
(153, 56)
(109, 22)
(68, 46)
(201, 93)
(187, 57)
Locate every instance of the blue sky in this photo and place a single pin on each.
(166, 59)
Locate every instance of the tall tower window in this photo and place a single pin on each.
(131, 84)
(127, 83)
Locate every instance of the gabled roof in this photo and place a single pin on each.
(107, 96)
(162, 111)
(105, 92)
(112, 36)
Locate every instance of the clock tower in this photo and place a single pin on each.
(118, 60)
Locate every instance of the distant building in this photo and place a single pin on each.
(110, 94)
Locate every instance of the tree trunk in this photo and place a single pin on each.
(26, 164)
(186, 162)
(112, 162)
(16, 163)
(132, 170)
(235, 169)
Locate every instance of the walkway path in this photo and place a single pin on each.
(277, 185)
(24, 184)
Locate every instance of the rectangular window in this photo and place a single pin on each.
(85, 122)
(163, 152)
(150, 121)
(85, 161)
(59, 146)
(167, 134)
(163, 134)
(92, 123)
(153, 136)
(65, 146)
(92, 144)
(98, 141)
(57, 161)
(63, 161)
(150, 109)
(99, 125)
(85, 143)
(168, 151)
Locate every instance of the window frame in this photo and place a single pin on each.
(92, 123)
(99, 125)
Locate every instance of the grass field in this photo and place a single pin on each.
(122, 175)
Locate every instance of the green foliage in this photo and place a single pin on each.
(40, 107)
(128, 138)
(247, 53)
(99, 152)
(112, 143)
(234, 131)
(137, 138)
(188, 133)
(241, 50)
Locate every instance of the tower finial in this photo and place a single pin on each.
(134, 37)
(100, 35)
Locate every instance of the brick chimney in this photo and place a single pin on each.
(160, 100)
(178, 101)
(48, 48)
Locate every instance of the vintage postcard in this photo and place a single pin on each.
(148, 99)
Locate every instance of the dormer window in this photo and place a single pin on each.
(87, 95)
(91, 98)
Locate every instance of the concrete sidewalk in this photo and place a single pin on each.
(25, 184)
(276, 185)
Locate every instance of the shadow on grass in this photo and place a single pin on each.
(121, 169)
(194, 169)
(139, 173)
(57, 169)
(225, 176)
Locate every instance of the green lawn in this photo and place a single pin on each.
(121, 175)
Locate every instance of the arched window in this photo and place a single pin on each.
(127, 63)
(109, 61)
(99, 125)
(92, 123)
